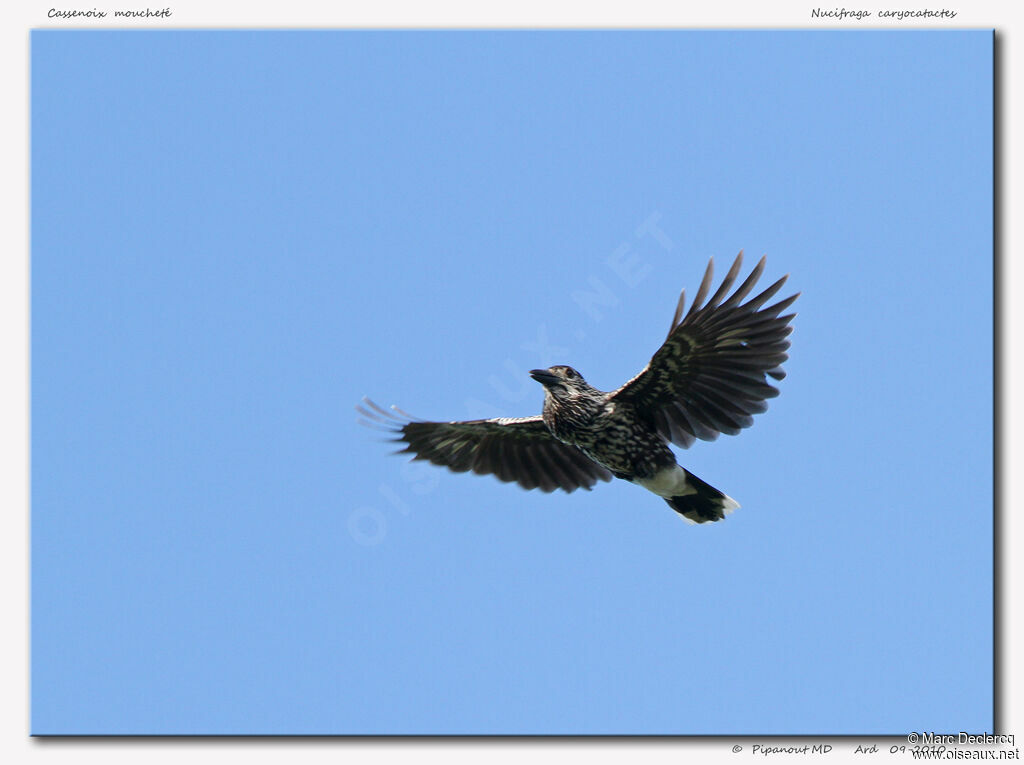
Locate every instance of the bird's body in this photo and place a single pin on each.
(609, 433)
(707, 378)
(615, 436)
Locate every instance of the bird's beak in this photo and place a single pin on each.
(543, 376)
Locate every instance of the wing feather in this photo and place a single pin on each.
(517, 449)
(710, 374)
(705, 287)
(726, 283)
(748, 284)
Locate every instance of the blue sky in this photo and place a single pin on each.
(236, 236)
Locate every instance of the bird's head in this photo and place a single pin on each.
(562, 382)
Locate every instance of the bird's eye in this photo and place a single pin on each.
(570, 373)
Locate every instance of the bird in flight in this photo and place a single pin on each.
(708, 377)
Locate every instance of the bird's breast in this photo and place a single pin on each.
(570, 421)
(617, 439)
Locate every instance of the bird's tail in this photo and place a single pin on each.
(706, 504)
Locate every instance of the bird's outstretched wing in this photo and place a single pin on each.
(519, 449)
(709, 376)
